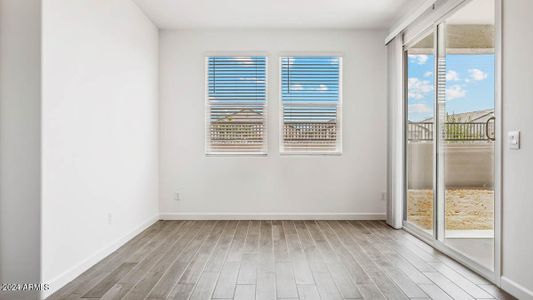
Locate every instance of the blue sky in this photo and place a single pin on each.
(310, 86)
(237, 78)
(236, 84)
(311, 80)
(469, 84)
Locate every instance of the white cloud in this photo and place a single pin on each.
(297, 87)
(417, 89)
(451, 75)
(428, 74)
(455, 91)
(245, 61)
(477, 74)
(420, 59)
(419, 108)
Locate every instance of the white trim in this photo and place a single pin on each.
(439, 156)
(309, 53)
(236, 53)
(215, 154)
(75, 271)
(516, 289)
(441, 10)
(498, 147)
(281, 117)
(308, 153)
(207, 122)
(444, 9)
(408, 20)
(271, 216)
(469, 234)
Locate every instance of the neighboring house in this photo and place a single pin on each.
(247, 125)
(244, 115)
(469, 117)
(241, 127)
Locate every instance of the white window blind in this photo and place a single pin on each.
(311, 104)
(236, 104)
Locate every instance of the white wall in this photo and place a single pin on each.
(349, 185)
(20, 133)
(100, 140)
(518, 165)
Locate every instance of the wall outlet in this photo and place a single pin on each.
(383, 196)
(177, 196)
(109, 218)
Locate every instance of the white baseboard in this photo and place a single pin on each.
(272, 216)
(515, 289)
(67, 276)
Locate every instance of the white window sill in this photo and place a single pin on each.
(243, 154)
(311, 153)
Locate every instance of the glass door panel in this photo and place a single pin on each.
(420, 111)
(466, 131)
(450, 134)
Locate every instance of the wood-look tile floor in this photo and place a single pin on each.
(277, 260)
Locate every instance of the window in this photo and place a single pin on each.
(311, 104)
(236, 105)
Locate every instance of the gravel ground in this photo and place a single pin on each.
(466, 209)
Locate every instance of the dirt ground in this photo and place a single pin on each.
(466, 209)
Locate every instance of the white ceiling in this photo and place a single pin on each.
(214, 14)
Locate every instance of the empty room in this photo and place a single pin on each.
(246, 149)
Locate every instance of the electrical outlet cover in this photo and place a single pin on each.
(514, 140)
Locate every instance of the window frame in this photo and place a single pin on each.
(207, 122)
(339, 141)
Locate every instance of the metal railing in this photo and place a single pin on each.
(236, 132)
(310, 131)
(453, 131)
(250, 132)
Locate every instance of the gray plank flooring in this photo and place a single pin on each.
(277, 260)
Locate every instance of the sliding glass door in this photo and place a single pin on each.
(467, 133)
(420, 146)
(450, 133)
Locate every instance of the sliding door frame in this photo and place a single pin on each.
(422, 35)
(437, 240)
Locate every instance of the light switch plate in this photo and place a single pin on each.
(514, 140)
